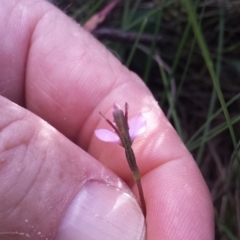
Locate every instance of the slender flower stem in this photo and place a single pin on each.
(141, 197)
(121, 128)
(136, 176)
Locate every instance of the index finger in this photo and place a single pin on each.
(68, 77)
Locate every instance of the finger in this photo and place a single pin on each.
(63, 84)
(68, 86)
(51, 189)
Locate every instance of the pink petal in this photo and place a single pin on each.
(107, 136)
(137, 125)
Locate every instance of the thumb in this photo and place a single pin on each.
(52, 189)
(102, 212)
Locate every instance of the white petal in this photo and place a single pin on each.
(107, 136)
(116, 107)
(137, 125)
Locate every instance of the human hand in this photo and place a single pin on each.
(52, 186)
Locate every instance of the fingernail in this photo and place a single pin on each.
(102, 212)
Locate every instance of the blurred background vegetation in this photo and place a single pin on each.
(188, 54)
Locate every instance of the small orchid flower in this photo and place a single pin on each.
(124, 132)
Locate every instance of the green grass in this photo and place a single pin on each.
(194, 74)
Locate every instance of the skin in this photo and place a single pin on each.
(54, 70)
